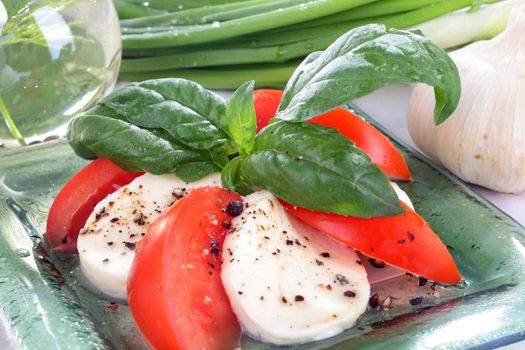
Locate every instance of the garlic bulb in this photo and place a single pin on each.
(483, 141)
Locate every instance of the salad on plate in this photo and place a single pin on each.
(256, 215)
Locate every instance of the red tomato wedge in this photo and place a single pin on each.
(266, 102)
(405, 241)
(376, 145)
(76, 200)
(175, 291)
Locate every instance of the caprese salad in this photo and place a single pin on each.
(210, 217)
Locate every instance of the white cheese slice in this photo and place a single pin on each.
(107, 242)
(403, 197)
(286, 282)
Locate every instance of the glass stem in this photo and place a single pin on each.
(10, 123)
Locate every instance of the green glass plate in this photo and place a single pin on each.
(45, 307)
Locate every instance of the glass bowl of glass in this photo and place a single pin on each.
(57, 57)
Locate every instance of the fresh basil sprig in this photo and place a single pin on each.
(175, 125)
(363, 60)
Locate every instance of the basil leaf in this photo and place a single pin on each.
(217, 155)
(129, 146)
(192, 95)
(190, 172)
(317, 168)
(363, 60)
(240, 118)
(231, 177)
(106, 112)
(183, 108)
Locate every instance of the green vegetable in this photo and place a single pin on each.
(484, 23)
(175, 111)
(192, 95)
(232, 179)
(142, 8)
(175, 125)
(131, 10)
(228, 77)
(267, 6)
(206, 58)
(240, 118)
(188, 113)
(241, 34)
(375, 9)
(364, 60)
(316, 167)
(325, 32)
(184, 17)
(194, 171)
(268, 47)
(228, 29)
(127, 145)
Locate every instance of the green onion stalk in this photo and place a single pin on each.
(232, 39)
(281, 47)
(197, 34)
(230, 77)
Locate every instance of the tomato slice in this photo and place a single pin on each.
(376, 145)
(175, 290)
(266, 102)
(405, 241)
(76, 200)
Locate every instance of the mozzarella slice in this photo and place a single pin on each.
(286, 282)
(107, 242)
(403, 197)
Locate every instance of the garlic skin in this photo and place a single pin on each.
(483, 141)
